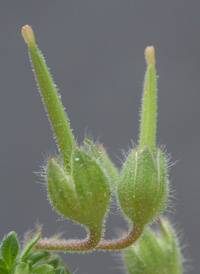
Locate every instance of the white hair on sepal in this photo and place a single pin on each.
(122, 160)
(89, 135)
(167, 156)
(42, 170)
(126, 152)
(48, 154)
(172, 196)
(171, 204)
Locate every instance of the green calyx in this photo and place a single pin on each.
(83, 194)
(155, 253)
(143, 185)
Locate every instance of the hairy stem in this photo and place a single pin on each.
(70, 245)
(124, 242)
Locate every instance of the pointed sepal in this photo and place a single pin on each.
(143, 186)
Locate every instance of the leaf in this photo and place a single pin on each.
(29, 245)
(2, 264)
(9, 249)
(3, 271)
(43, 269)
(3, 267)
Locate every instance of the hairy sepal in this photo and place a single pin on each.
(83, 194)
(143, 185)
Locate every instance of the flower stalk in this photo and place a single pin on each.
(70, 245)
(124, 242)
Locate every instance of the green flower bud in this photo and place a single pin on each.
(83, 194)
(155, 253)
(98, 151)
(143, 185)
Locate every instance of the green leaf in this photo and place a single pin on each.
(29, 245)
(3, 267)
(3, 271)
(2, 264)
(22, 268)
(43, 269)
(9, 249)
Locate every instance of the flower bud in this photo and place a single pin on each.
(98, 151)
(83, 194)
(155, 253)
(143, 185)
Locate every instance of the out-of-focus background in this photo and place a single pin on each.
(95, 50)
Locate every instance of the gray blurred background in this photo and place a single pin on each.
(95, 50)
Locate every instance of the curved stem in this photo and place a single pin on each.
(124, 242)
(70, 245)
(93, 241)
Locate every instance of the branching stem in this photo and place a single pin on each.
(124, 242)
(92, 242)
